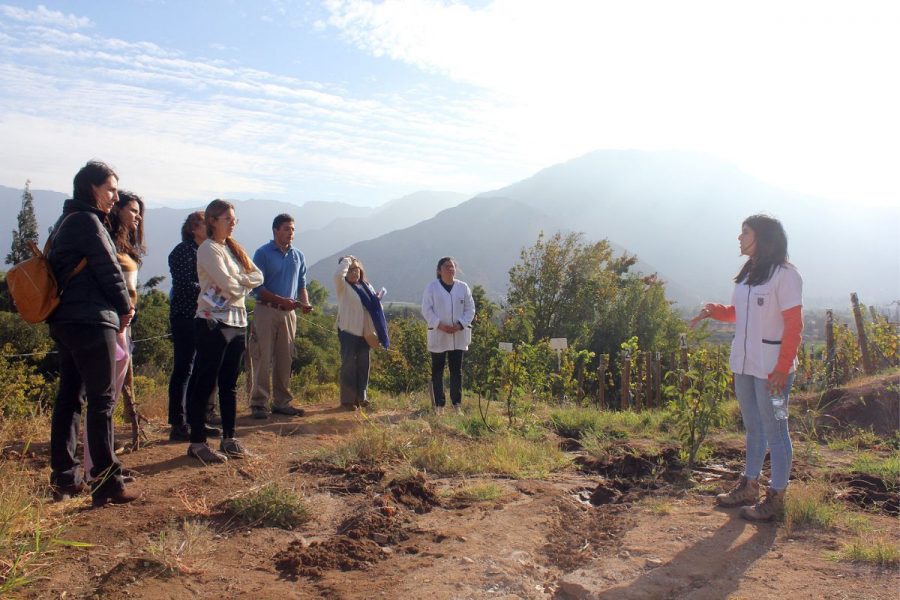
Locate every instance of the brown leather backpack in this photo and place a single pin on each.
(33, 287)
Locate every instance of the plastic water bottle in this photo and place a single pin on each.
(778, 406)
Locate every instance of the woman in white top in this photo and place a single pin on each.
(448, 309)
(227, 276)
(354, 323)
(767, 310)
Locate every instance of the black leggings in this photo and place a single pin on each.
(220, 350)
(437, 376)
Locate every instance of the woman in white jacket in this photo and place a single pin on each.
(448, 309)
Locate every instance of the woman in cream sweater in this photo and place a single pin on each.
(360, 316)
(227, 276)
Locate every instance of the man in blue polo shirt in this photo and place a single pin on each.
(274, 321)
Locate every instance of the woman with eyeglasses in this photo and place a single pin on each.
(361, 325)
(227, 276)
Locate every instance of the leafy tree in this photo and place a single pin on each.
(152, 283)
(27, 229)
(318, 293)
(561, 282)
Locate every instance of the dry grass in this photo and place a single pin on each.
(874, 550)
(270, 505)
(183, 548)
(477, 492)
(807, 505)
(28, 530)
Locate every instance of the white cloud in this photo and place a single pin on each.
(43, 16)
(183, 130)
(797, 92)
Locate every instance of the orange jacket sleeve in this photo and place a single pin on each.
(790, 339)
(720, 312)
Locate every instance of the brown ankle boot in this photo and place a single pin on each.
(746, 492)
(771, 507)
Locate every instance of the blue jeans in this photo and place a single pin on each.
(764, 430)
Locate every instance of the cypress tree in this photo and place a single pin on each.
(27, 229)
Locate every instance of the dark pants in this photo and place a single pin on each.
(220, 351)
(437, 376)
(87, 364)
(354, 369)
(183, 364)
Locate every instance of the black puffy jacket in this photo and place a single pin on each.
(97, 295)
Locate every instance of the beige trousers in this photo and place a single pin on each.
(271, 348)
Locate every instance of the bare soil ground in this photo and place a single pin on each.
(625, 528)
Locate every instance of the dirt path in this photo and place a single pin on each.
(540, 539)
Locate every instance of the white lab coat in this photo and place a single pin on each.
(438, 307)
(759, 323)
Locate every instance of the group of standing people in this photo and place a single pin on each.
(96, 249)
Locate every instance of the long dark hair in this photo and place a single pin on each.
(187, 228)
(771, 250)
(213, 211)
(127, 241)
(94, 173)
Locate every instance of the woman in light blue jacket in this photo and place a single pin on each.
(448, 309)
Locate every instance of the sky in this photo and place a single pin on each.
(363, 102)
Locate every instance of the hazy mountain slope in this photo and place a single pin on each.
(367, 224)
(484, 234)
(682, 213)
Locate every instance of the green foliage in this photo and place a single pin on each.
(24, 338)
(561, 282)
(27, 230)
(151, 327)
(23, 391)
(407, 366)
(565, 287)
(847, 356)
(485, 339)
(696, 398)
(316, 347)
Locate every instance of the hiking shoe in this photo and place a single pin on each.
(234, 448)
(745, 493)
(122, 496)
(771, 506)
(66, 492)
(180, 433)
(205, 454)
(259, 412)
(288, 410)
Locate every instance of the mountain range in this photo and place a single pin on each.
(680, 213)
